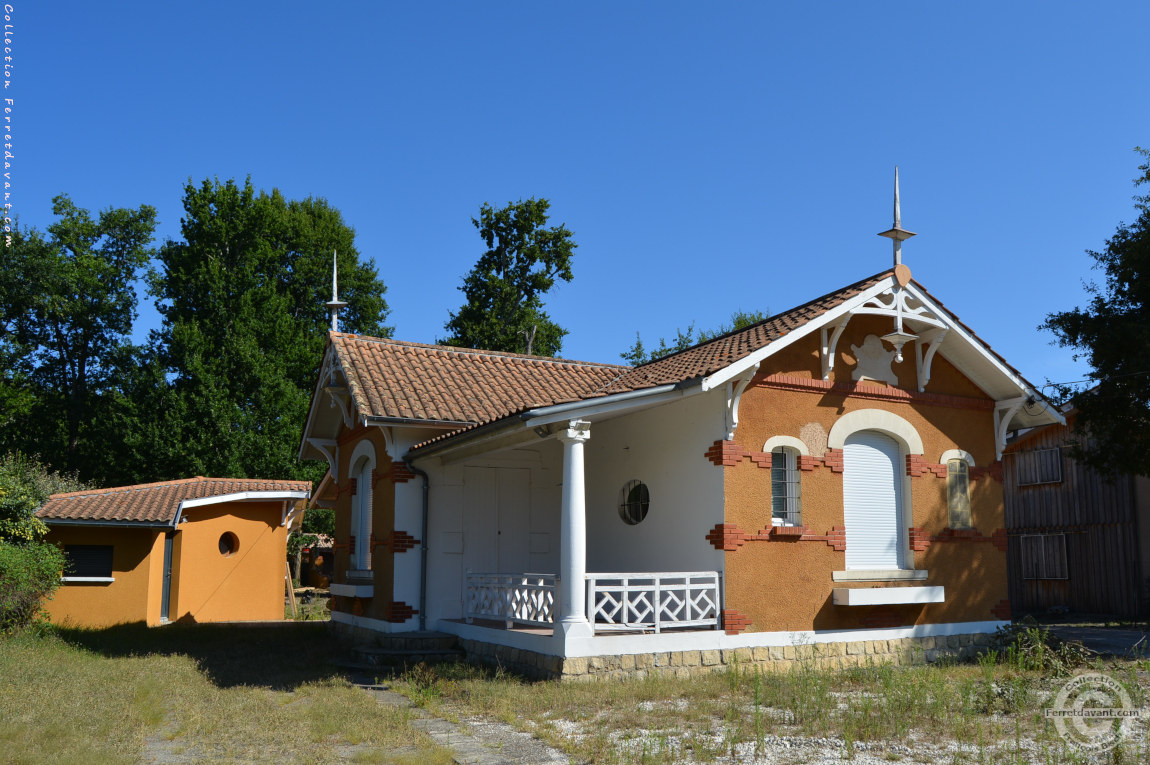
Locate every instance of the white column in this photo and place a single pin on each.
(573, 534)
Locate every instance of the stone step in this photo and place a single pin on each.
(396, 657)
(404, 641)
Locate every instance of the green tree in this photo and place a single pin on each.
(637, 354)
(68, 303)
(1113, 333)
(230, 376)
(504, 310)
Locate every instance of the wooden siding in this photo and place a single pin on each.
(1098, 517)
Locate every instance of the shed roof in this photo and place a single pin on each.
(158, 504)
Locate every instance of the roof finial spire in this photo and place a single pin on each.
(897, 233)
(335, 304)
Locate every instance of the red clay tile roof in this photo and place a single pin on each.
(150, 502)
(436, 383)
(709, 357)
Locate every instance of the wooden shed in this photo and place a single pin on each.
(1077, 539)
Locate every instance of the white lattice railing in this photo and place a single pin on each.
(658, 601)
(512, 598)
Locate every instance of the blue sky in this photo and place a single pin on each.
(708, 157)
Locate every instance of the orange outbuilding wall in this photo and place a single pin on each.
(206, 585)
(134, 596)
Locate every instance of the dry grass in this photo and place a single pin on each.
(192, 693)
(985, 712)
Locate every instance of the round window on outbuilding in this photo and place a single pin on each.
(635, 501)
(229, 544)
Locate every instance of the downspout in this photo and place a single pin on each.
(422, 548)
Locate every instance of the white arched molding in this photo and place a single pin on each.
(956, 454)
(788, 441)
(360, 468)
(875, 419)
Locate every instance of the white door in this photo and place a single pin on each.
(496, 514)
(872, 501)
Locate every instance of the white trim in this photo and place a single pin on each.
(367, 623)
(956, 454)
(879, 596)
(874, 419)
(239, 496)
(614, 645)
(548, 415)
(96, 579)
(788, 441)
(351, 591)
(880, 575)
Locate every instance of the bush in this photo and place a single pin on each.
(25, 485)
(29, 573)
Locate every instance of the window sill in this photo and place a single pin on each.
(352, 590)
(882, 575)
(87, 579)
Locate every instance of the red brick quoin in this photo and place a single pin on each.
(398, 612)
(1002, 610)
(399, 541)
(400, 472)
(726, 536)
(733, 621)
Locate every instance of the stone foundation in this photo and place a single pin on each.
(685, 664)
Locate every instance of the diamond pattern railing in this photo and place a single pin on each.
(653, 601)
(513, 598)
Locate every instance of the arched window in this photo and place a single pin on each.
(362, 466)
(873, 501)
(958, 493)
(786, 490)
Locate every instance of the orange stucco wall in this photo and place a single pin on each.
(206, 586)
(787, 585)
(382, 523)
(134, 596)
(246, 585)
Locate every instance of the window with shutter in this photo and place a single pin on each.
(1038, 466)
(873, 501)
(83, 562)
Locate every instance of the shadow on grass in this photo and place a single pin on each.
(279, 655)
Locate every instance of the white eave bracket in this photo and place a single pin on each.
(735, 390)
(329, 448)
(930, 341)
(341, 397)
(1004, 412)
(829, 345)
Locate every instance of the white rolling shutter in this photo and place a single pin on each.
(872, 500)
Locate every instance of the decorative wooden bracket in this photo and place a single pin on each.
(735, 390)
(930, 340)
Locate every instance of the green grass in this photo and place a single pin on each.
(192, 693)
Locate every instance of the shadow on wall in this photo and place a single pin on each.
(280, 655)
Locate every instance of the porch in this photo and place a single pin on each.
(614, 603)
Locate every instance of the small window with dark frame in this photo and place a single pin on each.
(636, 500)
(1044, 556)
(958, 493)
(786, 494)
(1038, 466)
(87, 561)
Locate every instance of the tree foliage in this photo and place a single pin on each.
(67, 303)
(226, 387)
(638, 354)
(1113, 333)
(25, 485)
(504, 309)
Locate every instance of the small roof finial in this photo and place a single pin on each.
(335, 304)
(897, 234)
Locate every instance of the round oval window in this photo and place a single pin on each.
(229, 543)
(636, 500)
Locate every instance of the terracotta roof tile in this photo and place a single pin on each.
(150, 502)
(436, 383)
(468, 387)
(713, 355)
